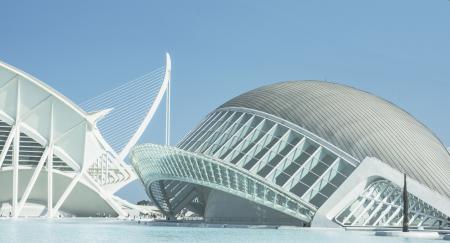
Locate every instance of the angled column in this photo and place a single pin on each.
(50, 169)
(32, 181)
(168, 113)
(7, 144)
(15, 163)
(15, 159)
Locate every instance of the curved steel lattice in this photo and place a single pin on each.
(381, 205)
(278, 155)
(283, 155)
(155, 163)
(266, 148)
(130, 104)
(357, 122)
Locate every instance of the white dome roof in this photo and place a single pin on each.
(359, 123)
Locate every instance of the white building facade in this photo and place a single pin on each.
(54, 160)
(302, 153)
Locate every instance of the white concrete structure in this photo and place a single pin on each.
(302, 153)
(54, 159)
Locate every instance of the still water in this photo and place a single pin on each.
(95, 230)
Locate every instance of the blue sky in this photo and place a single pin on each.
(399, 50)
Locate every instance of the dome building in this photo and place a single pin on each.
(306, 153)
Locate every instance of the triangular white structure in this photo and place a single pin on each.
(54, 159)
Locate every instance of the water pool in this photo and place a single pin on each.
(99, 230)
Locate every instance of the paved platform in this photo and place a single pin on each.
(413, 234)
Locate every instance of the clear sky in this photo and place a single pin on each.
(399, 50)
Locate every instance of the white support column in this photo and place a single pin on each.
(74, 181)
(50, 169)
(105, 156)
(102, 171)
(98, 174)
(68, 190)
(168, 114)
(32, 181)
(50, 183)
(134, 139)
(15, 164)
(15, 157)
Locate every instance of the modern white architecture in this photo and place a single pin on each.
(57, 158)
(306, 153)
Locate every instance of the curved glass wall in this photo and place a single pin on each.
(275, 152)
(271, 162)
(246, 154)
(156, 164)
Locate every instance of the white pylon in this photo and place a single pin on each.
(168, 113)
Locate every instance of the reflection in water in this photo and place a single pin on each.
(99, 230)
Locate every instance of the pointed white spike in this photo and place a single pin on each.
(168, 107)
(94, 117)
(150, 113)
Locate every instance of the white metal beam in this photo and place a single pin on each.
(388, 209)
(307, 165)
(228, 131)
(32, 181)
(106, 196)
(150, 113)
(378, 208)
(256, 147)
(7, 144)
(9, 81)
(326, 176)
(74, 181)
(34, 108)
(50, 168)
(168, 113)
(68, 190)
(204, 139)
(15, 157)
(365, 209)
(246, 138)
(271, 152)
(193, 134)
(287, 160)
(360, 205)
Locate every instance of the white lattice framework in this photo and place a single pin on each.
(296, 168)
(53, 153)
(234, 149)
(381, 205)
